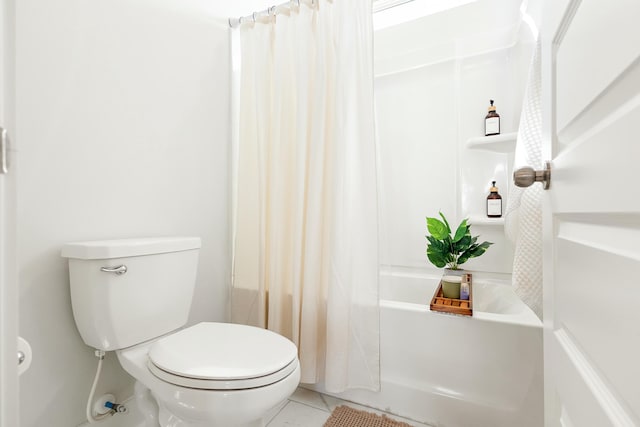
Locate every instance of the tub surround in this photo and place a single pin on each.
(434, 76)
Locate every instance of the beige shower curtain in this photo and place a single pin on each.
(305, 235)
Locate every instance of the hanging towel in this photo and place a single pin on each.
(523, 216)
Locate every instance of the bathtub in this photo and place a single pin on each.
(456, 371)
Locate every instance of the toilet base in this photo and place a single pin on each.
(168, 419)
(147, 405)
(158, 416)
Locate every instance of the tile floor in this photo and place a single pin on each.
(306, 408)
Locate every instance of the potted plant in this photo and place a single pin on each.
(450, 250)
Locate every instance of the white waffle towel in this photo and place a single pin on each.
(523, 216)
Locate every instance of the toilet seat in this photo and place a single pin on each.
(222, 356)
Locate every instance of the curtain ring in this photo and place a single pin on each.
(272, 10)
(253, 15)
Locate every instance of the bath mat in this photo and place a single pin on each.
(344, 416)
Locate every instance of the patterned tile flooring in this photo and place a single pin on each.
(306, 408)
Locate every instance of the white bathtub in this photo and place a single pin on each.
(456, 371)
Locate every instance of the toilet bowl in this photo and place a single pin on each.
(133, 296)
(209, 375)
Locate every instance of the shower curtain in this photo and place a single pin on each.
(305, 238)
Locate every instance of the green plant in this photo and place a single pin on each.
(452, 250)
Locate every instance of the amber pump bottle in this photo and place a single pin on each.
(494, 202)
(492, 121)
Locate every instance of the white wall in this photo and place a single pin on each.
(434, 78)
(123, 131)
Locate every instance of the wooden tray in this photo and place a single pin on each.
(450, 305)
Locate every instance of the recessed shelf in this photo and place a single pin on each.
(504, 143)
(480, 220)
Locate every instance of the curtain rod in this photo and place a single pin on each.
(270, 11)
(378, 6)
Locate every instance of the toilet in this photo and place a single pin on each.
(133, 297)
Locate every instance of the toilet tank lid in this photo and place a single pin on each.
(106, 249)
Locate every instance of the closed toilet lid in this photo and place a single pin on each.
(223, 356)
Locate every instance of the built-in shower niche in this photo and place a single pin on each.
(496, 153)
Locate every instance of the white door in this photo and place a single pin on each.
(8, 284)
(591, 79)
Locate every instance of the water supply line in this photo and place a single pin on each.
(113, 407)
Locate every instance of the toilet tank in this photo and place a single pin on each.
(124, 292)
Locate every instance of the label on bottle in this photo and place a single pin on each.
(492, 126)
(494, 207)
(464, 290)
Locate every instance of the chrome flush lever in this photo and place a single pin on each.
(121, 269)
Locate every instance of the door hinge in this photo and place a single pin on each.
(4, 151)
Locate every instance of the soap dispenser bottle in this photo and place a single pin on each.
(494, 202)
(464, 287)
(492, 121)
